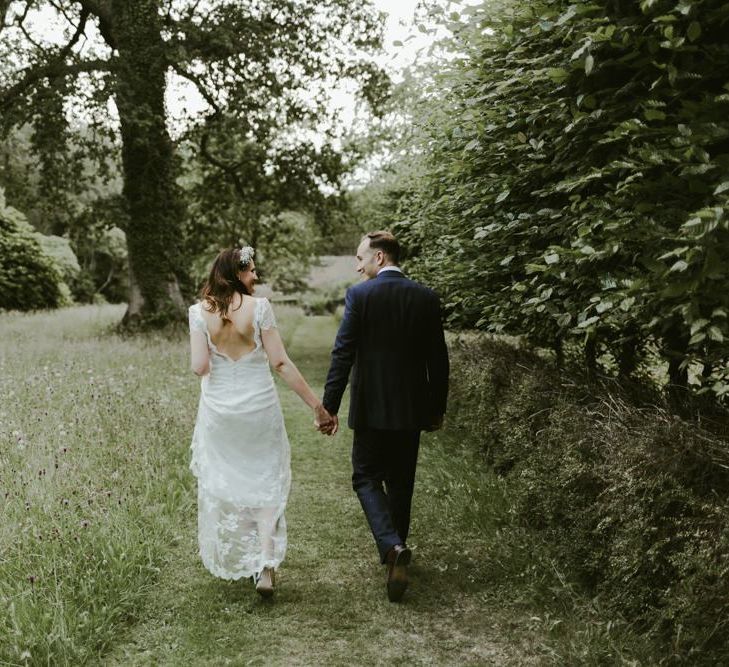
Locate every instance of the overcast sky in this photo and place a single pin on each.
(182, 97)
(183, 100)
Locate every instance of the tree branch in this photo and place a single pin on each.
(51, 70)
(4, 5)
(55, 67)
(198, 84)
(61, 10)
(103, 11)
(76, 35)
(228, 169)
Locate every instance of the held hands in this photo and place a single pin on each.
(324, 422)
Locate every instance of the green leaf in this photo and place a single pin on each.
(564, 319)
(697, 338)
(722, 187)
(697, 325)
(502, 195)
(558, 74)
(571, 11)
(694, 31)
(654, 114)
(679, 266)
(552, 258)
(589, 64)
(716, 334)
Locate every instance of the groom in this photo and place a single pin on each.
(391, 337)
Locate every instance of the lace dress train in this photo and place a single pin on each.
(241, 458)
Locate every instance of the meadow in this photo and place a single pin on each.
(98, 547)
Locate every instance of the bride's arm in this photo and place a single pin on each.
(279, 360)
(199, 353)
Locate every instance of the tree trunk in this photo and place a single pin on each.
(153, 200)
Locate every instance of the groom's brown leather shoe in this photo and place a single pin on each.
(398, 558)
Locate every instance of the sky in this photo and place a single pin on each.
(185, 102)
(182, 98)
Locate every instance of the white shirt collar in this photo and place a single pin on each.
(389, 268)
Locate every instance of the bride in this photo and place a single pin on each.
(240, 450)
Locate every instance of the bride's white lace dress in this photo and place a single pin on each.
(241, 458)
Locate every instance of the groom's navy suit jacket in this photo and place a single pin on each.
(391, 338)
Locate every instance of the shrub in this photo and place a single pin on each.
(324, 301)
(633, 497)
(65, 262)
(29, 277)
(576, 179)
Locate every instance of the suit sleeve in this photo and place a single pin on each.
(437, 361)
(343, 355)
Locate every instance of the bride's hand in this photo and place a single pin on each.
(331, 428)
(324, 422)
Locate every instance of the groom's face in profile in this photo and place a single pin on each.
(369, 261)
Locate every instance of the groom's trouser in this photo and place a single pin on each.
(383, 476)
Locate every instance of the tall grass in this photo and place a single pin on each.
(94, 437)
(610, 507)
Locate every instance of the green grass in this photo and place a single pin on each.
(98, 552)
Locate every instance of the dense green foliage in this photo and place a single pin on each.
(29, 277)
(575, 189)
(633, 498)
(263, 145)
(64, 261)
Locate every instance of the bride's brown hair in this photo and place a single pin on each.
(223, 283)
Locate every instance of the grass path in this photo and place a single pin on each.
(330, 607)
(98, 549)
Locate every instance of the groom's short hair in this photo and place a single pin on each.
(385, 241)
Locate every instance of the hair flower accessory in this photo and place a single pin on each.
(245, 256)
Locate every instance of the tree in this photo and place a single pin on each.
(258, 57)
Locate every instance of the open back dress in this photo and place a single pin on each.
(241, 458)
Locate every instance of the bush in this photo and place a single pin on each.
(577, 180)
(65, 262)
(633, 498)
(29, 278)
(324, 301)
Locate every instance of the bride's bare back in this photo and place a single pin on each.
(235, 338)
